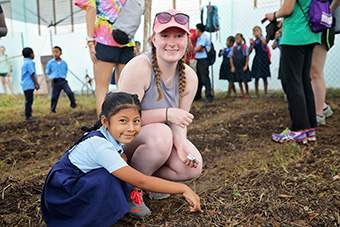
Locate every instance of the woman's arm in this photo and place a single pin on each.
(158, 185)
(285, 10)
(335, 4)
(179, 129)
(90, 23)
(9, 68)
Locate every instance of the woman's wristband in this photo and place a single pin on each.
(166, 114)
(274, 15)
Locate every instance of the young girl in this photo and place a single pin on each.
(239, 63)
(225, 69)
(89, 185)
(260, 67)
(166, 87)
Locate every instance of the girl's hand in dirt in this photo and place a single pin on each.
(92, 49)
(183, 151)
(180, 117)
(193, 199)
(232, 69)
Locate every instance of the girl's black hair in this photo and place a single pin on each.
(113, 103)
(231, 39)
(241, 37)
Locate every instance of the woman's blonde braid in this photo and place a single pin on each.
(182, 81)
(157, 71)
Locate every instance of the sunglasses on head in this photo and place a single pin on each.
(165, 17)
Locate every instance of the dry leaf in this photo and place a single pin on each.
(312, 216)
(285, 196)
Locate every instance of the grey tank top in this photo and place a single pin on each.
(170, 95)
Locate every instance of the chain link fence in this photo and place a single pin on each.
(241, 16)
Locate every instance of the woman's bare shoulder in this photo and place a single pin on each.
(136, 74)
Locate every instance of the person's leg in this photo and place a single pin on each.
(152, 154)
(229, 87)
(3, 84)
(294, 60)
(69, 93)
(56, 89)
(265, 85)
(257, 87)
(307, 87)
(175, 170)
(28, 103)
(247, 88)
(233, 88)
(9, 84)
(119, 68)
(241, 88)
(199, 70)
(102, 74)
(206, 80)
(318, 79)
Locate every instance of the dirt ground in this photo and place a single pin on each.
(247, 179)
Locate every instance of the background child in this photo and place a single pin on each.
(29, 81)
(225, 69)
(239, 63)
(260, 66)
(57, 70)
(89, 185)
(5, 71)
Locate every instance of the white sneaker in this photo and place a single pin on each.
(321, 120)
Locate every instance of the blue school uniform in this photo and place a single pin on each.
(27, 70)
(225, 69)
(87, 195)
(260, 67)
(57, 70)
(239, 59)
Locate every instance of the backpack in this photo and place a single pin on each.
(267, 50)
(212, 23)
(244, 49)
(211, 54)
(320, 15)
(127, 22)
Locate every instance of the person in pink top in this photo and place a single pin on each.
(166, 87)
(105, 52)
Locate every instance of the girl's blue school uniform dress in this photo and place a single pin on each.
(225, 69)
(75, 197)
(260, 67)
(239, 59)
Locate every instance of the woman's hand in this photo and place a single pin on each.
(193, 199)
(270, 16)
(183, 152)
(232, 69)
(245, 68)
(92, 49)
(180, 117)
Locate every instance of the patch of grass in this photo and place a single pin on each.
(13, 106)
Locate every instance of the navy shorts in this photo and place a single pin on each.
(113, 54)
